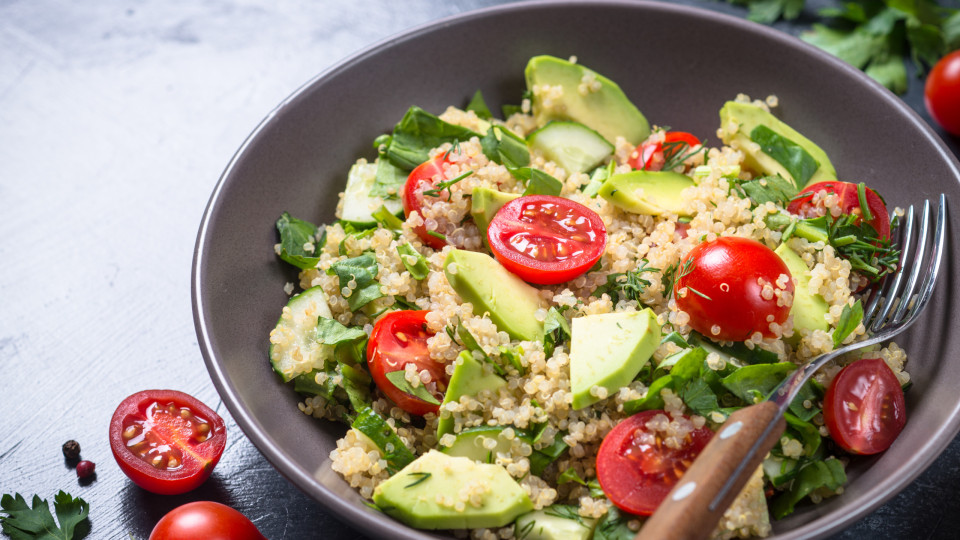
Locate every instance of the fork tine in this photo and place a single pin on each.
(908, 293)
(933, 268)
(885, 291)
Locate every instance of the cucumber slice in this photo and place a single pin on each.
(358, 205)
(572, 145)
(557, 522)
(293, 346)
(470, 443)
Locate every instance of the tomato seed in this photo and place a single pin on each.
(185, 413)
(203, 429)
(130, 432)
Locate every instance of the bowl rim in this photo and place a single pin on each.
(372, 522)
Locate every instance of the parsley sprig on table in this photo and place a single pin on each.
(874, 35)
(22, 522)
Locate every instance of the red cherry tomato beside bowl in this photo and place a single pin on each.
(941, 94)
(545, 239)
(809, 203)
(205, 520)
(166, 441)
(425, 178)
(636, 470)
(864, 409)
(400, 338)
(732, 287)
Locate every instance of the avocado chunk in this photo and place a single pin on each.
(556, 522)
(808, 310)
(648, 192)
(484, 204)
(608, 350)
(468, 379)
(571, 145)
(491, 288)
(745, 126)
(584, 96)
(294, 349)
(438, 491)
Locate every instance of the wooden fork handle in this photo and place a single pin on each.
(685, 513)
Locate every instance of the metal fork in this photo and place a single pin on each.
(697, 502)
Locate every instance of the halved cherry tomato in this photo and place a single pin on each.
(400, 338)
(652, 156)
(637, 470)
(730, 289)
(424, 178)
(807, 204)
(864, 408)
(545, 239)
(941, 93)
(166, 441)
(205, 520)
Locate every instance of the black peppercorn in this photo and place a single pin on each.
(71, 449)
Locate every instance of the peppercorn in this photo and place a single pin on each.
(71, 449)
(85, 468)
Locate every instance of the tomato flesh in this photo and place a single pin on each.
(424, 178)
(637, 470)
(810, 203)
(400, 338)
(166, 441)
(732, 288)
(864, 409)
(545, 239)
(652, 156)
(205, 520)
(941, 93)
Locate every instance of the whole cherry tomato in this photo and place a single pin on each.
(400, 338)
(205, 520)
(733, 287)
(166, 441)
(545, 239)
(941, 94)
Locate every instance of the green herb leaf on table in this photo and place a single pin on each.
(769, 11)
(298, 242)
(23, 522)
(399, 379)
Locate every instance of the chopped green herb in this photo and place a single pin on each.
(627, 285)
(399, 379)
(435, 234)
(422, 477)
(445, 185)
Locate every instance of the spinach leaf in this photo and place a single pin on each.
(754, 383)
(331, 332)
(541, 459)
(850, 318)
(807, 433)
(613, 526)
(418, 268)
(387, 219)
(356, 383)
(556, 330)
(797, 161)
(298, 242)
(399, 379)
(505, 147)
(479, 106)
(652, 400)
(816, 474)
(389, 180)
(362, 271)
(699, 397)
(537, 181)
(419, 132)
(775, 189)
(395, 452)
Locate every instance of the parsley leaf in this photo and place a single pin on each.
(22, 522)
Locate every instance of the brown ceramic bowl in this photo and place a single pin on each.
(678, 65)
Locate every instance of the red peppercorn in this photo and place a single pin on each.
(85, 468)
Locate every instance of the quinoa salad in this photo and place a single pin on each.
(533, 321)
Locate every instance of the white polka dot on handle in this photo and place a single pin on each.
(684, 491)
(731, 430)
